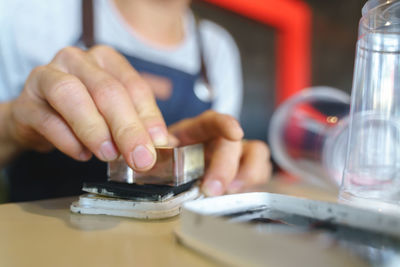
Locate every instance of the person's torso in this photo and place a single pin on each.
(36, 175)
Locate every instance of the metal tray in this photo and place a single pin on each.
(264, 228)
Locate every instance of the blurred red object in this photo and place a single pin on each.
(292, 21)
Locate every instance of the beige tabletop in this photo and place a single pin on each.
(46, 233)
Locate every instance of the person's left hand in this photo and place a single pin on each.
(232, 164)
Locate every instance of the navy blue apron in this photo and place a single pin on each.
(35, 175)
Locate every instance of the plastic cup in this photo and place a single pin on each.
(308, 135)
(371, 176)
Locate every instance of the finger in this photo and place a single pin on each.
(40, 117)
(222, 168)
(113, 102)
(207, 126)
(255, 167)
(138, 89)
(70, 98)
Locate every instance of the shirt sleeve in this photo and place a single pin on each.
(31, 32)
(223, 68)
(8, 52)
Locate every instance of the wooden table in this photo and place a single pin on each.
(46, 233)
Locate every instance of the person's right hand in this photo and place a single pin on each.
(88, 102)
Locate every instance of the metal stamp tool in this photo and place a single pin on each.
(157, 193)
(174, 166)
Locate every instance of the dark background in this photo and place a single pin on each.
(334, 36)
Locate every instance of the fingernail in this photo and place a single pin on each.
(213, 188)
(142, 157)
(108, 151)
(235, 186)
(158, 136)
(85, 155)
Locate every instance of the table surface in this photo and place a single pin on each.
(45, 233)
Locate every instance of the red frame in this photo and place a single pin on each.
(292, 20)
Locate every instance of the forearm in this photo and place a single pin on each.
(8, 147)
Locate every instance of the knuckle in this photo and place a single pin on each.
(31, 87)
(100, 53)
(68, 52)
(48, 120)
(150, 114)
(107, 89)
(38, 70)
(130, 131)
(63, 89)
(90, 133)
(151, 118)
(102, 49)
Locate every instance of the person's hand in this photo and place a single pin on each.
(232, 164)
(88, 102)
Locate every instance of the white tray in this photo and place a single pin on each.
(96, 204)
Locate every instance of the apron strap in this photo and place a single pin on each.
(199, 39)
(87, 23)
